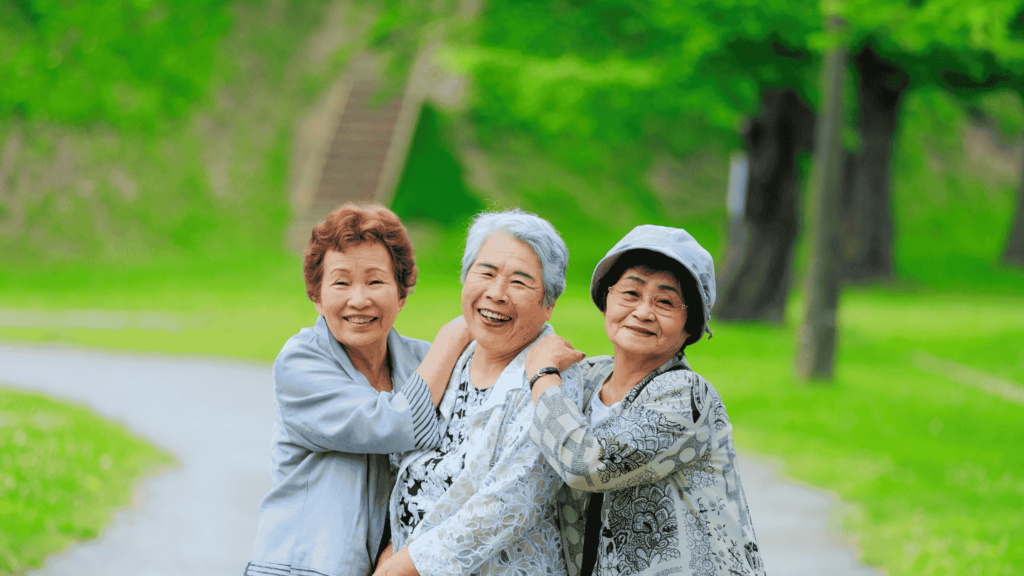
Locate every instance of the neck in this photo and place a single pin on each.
(372, 362)
(630, 369)
(487, 365)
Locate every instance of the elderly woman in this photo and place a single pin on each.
(482, 502)
(651, 448)
(349, 391)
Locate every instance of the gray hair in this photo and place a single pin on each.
(530, 229)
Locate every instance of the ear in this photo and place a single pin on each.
(319, 308)
(401, 304)
(548, 311)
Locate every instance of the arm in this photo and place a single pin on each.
(322, 409)
(503, 503)
(643, 445)
(436, 367)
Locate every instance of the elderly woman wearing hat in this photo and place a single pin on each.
(649, 465)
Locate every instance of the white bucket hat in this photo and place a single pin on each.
(674, 243)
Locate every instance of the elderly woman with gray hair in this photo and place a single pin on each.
(483, 501)
(647, 456)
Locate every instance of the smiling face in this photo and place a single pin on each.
(359, 295)
(643, 315)
(503, 296)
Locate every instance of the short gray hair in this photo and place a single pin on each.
(530, 229)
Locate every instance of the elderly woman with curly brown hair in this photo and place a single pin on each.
(348, 391)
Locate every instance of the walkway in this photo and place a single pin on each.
(215, 416)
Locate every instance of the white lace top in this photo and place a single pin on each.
(498, 516)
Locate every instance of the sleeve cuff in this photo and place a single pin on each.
(419, 550)
(424, 420)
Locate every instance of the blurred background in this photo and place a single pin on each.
(161, 164)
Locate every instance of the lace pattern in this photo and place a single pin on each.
(498, 516)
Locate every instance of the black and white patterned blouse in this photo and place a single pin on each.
(426, 480)
(664, 459)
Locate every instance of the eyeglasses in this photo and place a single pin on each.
(664, 303)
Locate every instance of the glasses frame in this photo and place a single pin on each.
(651, 300)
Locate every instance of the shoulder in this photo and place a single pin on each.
(303, 353)
(594, 371)
(414, 346)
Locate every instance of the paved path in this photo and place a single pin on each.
(200, 518)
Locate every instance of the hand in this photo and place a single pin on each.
(455, 332)
(399, 564)
(384, 555)
(551, 350)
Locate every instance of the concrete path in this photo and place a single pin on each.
(215, 416)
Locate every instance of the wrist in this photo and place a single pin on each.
(548, 371)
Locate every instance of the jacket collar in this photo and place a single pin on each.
(402, 362)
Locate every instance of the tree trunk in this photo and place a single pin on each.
(817, 347)
(865, 202)
(1014, 253)
(755, 277)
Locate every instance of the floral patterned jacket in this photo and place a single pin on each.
(665, 460)
(498, 517)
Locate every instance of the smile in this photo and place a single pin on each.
(360, 319)
(493, 316)
(641, 331)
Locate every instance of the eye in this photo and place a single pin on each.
(632, 293)
(372, 282)
(341, 283)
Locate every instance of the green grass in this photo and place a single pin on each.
(932, 465)
(62, 472)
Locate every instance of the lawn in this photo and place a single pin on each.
(63, 471)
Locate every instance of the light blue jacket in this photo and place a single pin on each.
(326, 511)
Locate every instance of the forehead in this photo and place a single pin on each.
(502, 250)
(650, 277)
(358, 257)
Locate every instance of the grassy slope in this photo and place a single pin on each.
(933, 465)
(63, 471)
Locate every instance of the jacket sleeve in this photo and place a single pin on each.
(645, 443)
(322, 409)
(505, 502)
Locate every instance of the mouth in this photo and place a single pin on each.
(360, 320)
(491, 316)
(641, 331)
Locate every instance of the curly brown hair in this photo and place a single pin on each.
(351, 224)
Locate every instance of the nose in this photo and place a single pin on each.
(496, 291)
(358, 297)
(644, 311)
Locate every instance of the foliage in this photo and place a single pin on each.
(130, 63)
(432, 187)
(63, 471)
(212, 181)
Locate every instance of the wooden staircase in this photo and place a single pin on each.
(362, 145)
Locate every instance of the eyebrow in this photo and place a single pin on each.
(524, 274)
(660, 286)
(667, 287)
(514, 273)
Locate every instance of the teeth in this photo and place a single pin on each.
(494, 316)
(359, 319)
